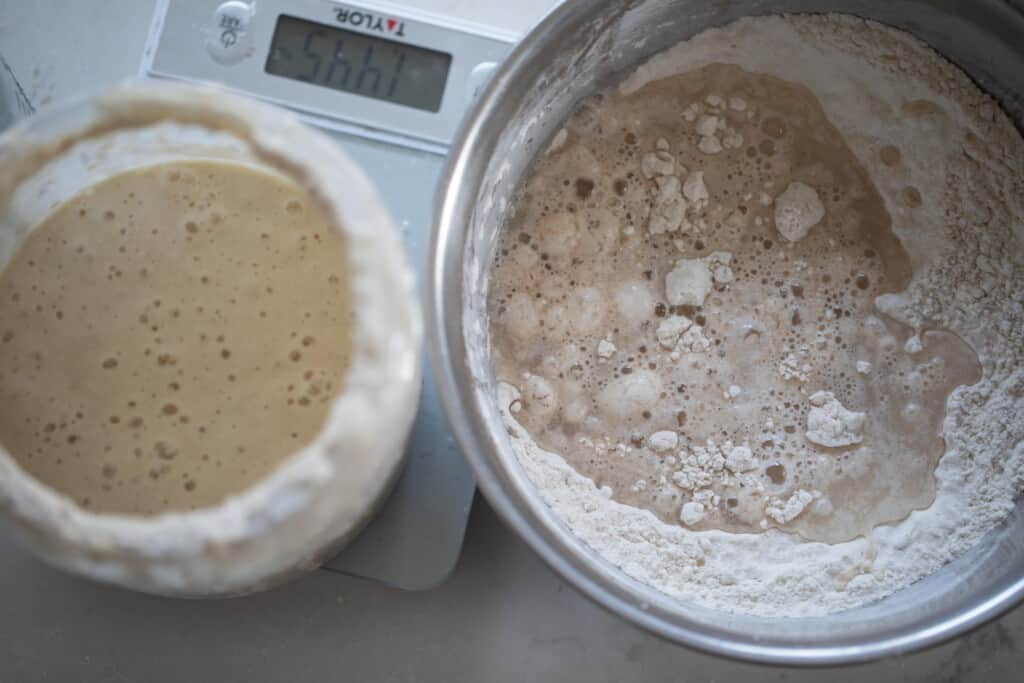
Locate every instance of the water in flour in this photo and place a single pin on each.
(752, 296)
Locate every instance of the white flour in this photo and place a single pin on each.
(963, 239)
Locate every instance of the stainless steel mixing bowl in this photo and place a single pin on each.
(577, 49)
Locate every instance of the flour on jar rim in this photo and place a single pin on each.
(840, 334)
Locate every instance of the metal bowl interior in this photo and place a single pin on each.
(573, 52)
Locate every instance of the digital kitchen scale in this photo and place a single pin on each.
(390, 84)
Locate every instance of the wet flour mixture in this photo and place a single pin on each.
(756, 317)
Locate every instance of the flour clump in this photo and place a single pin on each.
(688, 283)
(830, 424)
(797, 210)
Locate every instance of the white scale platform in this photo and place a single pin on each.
(373, 77)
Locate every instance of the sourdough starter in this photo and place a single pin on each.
(170, 335)
(728, 307)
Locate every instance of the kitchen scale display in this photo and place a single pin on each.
(382, 72)
(390, 84)
(355, 63)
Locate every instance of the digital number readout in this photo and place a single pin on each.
(357, 63)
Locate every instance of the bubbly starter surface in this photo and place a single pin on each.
(685, 301)
(169, 336)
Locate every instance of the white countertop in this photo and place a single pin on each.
(503, 616)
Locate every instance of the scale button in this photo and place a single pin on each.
(478, 79)
(228, 38)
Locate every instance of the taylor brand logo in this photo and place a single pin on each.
(371, 21)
